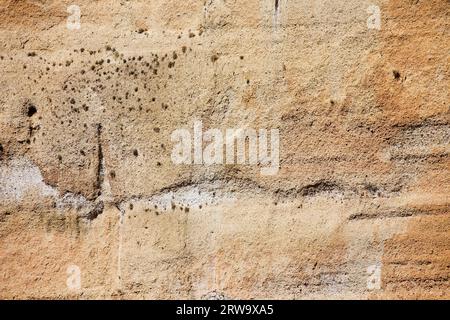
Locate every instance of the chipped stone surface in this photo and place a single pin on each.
(359, 207)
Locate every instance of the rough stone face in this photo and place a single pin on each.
(358, 209)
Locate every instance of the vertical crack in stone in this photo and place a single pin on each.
(100, 162)
(99, 204)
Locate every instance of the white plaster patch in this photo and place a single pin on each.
(20, 176)
(191, 197)
(71, 200)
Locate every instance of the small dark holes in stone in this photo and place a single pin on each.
(31, 110)
(214, 58)
(396, 74)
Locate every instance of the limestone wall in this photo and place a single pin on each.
(92, 204)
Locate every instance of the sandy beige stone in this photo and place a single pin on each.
(360, 205)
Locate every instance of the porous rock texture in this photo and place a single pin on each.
(360, 205)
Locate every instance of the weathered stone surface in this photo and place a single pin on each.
(358, 209)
